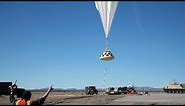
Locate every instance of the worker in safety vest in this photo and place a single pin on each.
(25, 99)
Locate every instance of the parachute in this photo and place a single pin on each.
(106, 10)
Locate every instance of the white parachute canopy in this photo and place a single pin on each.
(106, 10)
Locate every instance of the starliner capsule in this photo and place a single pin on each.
(106, 55)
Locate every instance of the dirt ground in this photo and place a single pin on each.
(79, 98)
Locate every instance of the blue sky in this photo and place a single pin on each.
(59, 43)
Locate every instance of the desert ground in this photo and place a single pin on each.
(79, 98)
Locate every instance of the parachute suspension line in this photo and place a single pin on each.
(106, 42)
(104, 76)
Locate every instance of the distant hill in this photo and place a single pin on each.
(57, 90)
(148, 89)
(139, 89)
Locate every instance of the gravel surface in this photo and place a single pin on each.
(79, 98)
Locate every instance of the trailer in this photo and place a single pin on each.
(5, 90)
(121, 90)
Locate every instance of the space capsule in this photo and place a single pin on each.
(107, 55)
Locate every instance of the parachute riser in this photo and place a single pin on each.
(106, 42)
